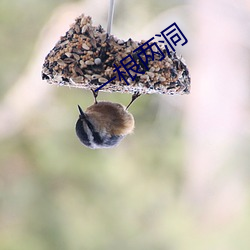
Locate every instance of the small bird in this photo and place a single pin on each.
(104, 124)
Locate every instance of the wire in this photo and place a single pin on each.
(110, 15)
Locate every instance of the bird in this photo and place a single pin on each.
(104, 124)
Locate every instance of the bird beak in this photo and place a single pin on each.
(82, 115)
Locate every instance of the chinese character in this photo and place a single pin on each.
(120, 73)
(172, 34)
(135, 67)
(148, 47)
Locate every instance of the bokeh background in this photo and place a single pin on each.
(180, 182)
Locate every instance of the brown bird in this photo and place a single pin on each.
(104, 124)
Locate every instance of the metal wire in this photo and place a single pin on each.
(110, 16)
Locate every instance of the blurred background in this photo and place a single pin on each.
(180, 182)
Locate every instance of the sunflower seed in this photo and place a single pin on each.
(77, 29)
(64, 43)
(69, 60)
(68, 54)
(102, 80)
(84, 29)
(78, 51)
(77, 57)
(103, 37)
(77, 79)
(120, 42)
(89, 77)
(129, 80)
(78, 70)
(144, 77)
(95, 76)
(61, 62)
(150, 74)
(88, 62)
(85, 46)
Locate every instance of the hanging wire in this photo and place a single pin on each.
(110, 15)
